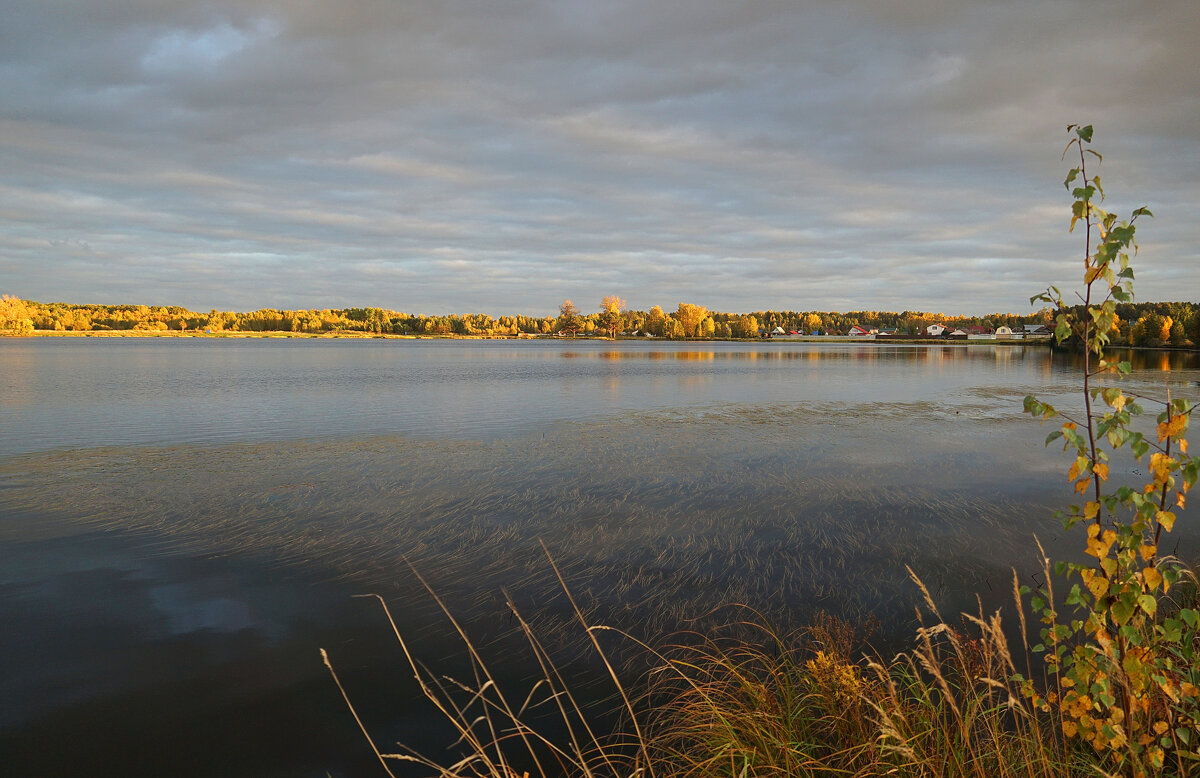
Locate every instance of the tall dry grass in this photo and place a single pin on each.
(751, 701)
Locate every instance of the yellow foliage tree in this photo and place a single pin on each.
(14, 316)
(610, 314)
(690, 318)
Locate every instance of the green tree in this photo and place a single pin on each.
(569, 319)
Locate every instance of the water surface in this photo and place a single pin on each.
(183, 522)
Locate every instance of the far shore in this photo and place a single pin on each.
(358, 335)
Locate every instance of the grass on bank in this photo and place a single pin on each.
(750, 701)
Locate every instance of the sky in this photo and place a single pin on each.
(500, 156)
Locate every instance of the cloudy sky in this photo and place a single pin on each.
(498, 156)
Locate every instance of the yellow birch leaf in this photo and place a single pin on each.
(1182, 445)
(1152, 577)
(1090, 510)
(1096, 584)
(1171, 428)
(1166, 519)
(1118, 402)
(1073, 473)
(1148, 551)
(1160, 465)
(1180, 500)
(1101, 470)
(1070, 728)
(1082, 484)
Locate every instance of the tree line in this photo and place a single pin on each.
(1139, 324)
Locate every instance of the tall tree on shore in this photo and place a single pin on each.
(568, 318)
(611, 318)
(690, 317)
(656, 321)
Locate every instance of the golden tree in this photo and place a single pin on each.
(611, 317)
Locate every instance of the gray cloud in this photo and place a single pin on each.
(499, 157)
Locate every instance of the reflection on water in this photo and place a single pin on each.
(182, 523)
(68, 393)
(657, 516)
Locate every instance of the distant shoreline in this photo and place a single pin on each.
(357, 335)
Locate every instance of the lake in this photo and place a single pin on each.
(184, 522)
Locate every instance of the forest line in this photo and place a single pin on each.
(1143, 323)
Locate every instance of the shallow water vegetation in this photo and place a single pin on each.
(749, 700)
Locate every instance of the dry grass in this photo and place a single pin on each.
(747, 700)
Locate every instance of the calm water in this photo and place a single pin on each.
(183, 523)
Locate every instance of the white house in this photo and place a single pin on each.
(936, 330)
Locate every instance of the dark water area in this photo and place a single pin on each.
(184, 523)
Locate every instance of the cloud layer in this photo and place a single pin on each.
(499, 157)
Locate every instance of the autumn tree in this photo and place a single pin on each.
(14, 316)
(1124, 671)
(745, 327)
(568, 318)
(690, 318)
(656, 321)
(610, 314)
